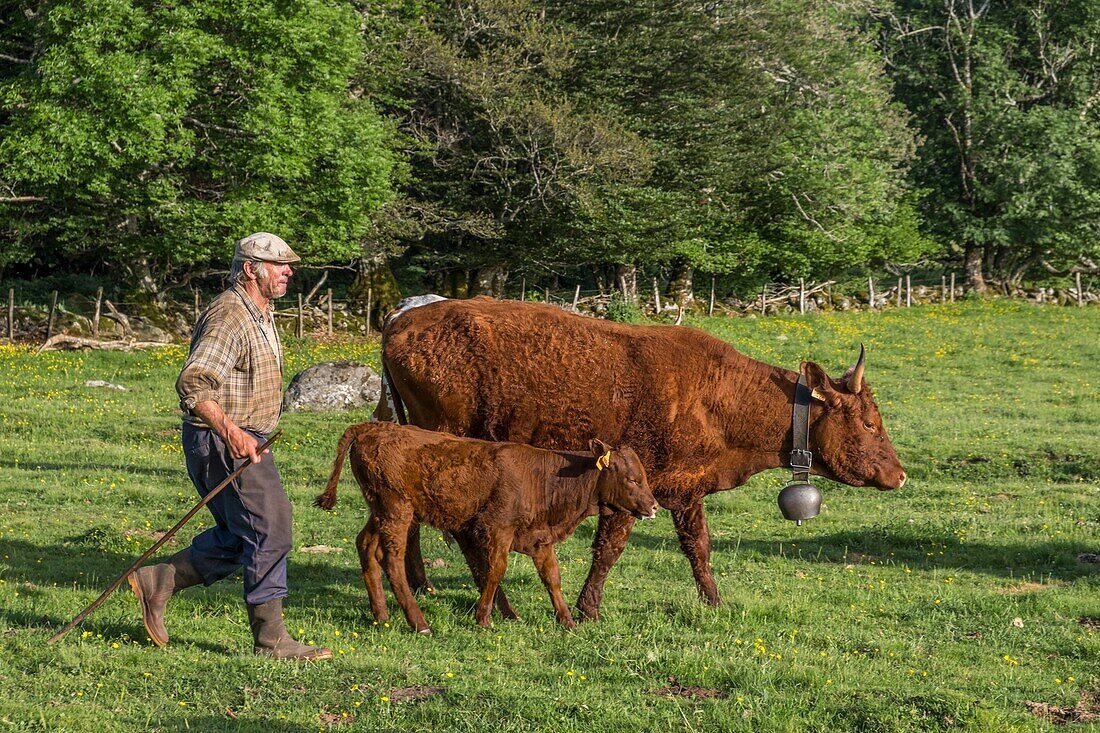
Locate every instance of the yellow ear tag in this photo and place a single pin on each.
(603, 461)
(817, 395)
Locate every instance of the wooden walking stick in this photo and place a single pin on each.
(159, 543)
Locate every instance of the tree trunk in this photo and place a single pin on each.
(459, 284)
(974, 275)
(679, 284)
(627, 277)
(488, 280)
(374, 277)
(146, 290)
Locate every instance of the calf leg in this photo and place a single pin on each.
(546, 560)
(691, 527)
(369, 553)
(414, 562)
(611, 536)
(496, 552)
(394, 532)
(478, 564)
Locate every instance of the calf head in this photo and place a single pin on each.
(847, 436)
(621, 483)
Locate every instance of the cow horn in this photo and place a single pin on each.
(855, 381)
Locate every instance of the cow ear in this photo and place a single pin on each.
(598, 447)
(821, 387)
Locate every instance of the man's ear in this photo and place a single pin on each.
(821, 388)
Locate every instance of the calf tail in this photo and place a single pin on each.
(327, 498)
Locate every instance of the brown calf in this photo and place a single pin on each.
(493, 497)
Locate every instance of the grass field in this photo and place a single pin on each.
(956, 604)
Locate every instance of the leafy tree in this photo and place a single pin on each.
(149, 136)
(507, 158)
(777, 147)
(1005, 97)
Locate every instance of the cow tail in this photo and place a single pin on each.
(389, 391)
(327, 498)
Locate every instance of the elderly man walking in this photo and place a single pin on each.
(230, 392)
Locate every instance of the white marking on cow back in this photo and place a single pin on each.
(413, 301)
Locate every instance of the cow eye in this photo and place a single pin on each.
(870, 426)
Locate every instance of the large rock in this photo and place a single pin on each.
(332, 386)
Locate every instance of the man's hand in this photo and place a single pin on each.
(242, 444)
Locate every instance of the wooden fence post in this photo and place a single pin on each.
(98, 305)
(329, 295)
(196, 308)
(523, 289)
(656, 297)
(763, 300)
(1080, 299)
(49, 322)
(712, 284)
(11, 314)
(943, 288)
(802, 295)
(370, 297)
(908, 292)
(871, 292)
(301, 317)
(897, 300)
(952, 287)
(576, 296)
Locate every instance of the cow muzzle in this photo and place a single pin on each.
(892, 482)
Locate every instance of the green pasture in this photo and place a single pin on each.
(958, 603)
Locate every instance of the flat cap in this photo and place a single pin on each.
(266, 247)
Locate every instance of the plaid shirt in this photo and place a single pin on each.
(233, 363)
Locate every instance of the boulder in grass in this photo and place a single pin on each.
(331, 387)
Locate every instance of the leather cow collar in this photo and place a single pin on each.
(801, 457)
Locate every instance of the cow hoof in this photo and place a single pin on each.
(424, 631)
(584, 615)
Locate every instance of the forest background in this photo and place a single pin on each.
(407, 145)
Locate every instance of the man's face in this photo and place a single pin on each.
(274, 285)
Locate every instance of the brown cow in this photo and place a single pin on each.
(702, 416)
(493, 497)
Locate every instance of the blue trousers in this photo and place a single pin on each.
(252, 517)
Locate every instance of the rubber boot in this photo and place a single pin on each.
(270, 637)
(155, 584)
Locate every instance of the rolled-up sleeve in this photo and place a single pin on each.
(215, 350)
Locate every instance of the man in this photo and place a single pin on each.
(230, 392)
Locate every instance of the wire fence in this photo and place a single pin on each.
(84, 319)
(803, 297)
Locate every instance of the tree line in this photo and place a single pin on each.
(457, 144)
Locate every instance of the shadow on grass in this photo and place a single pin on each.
(926, 551)
(82, 564)
(225, 723)
(914, 547)
(33, 466)
(89, 562)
